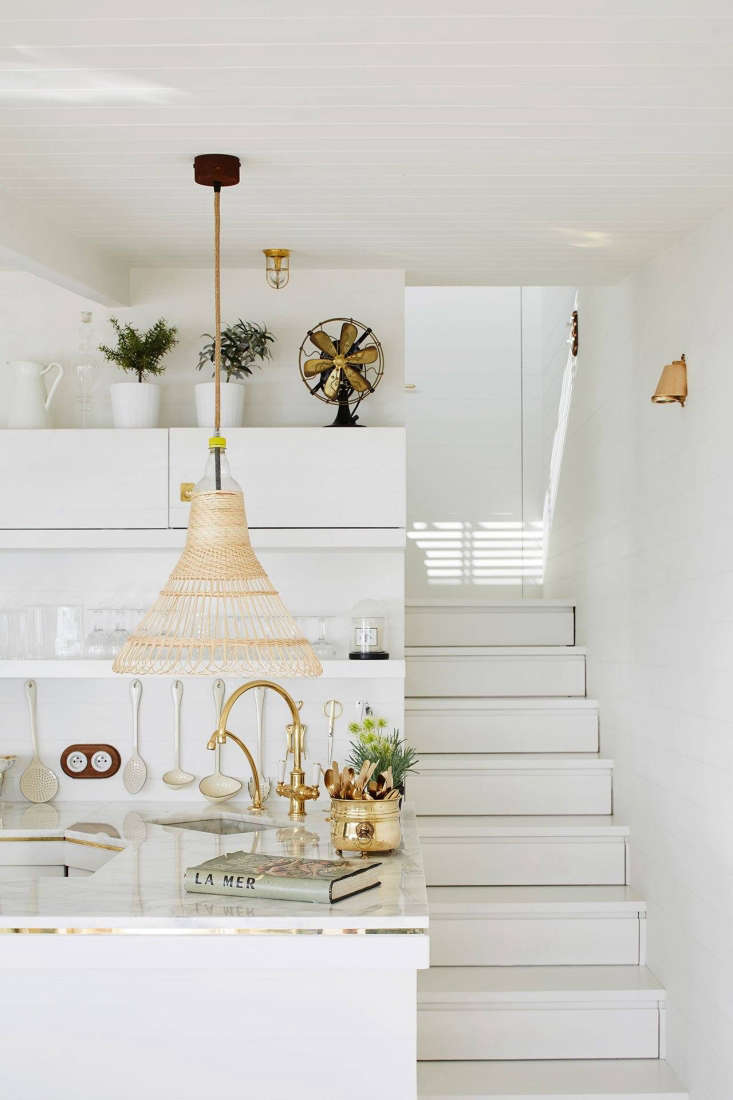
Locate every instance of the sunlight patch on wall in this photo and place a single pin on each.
(506, 553)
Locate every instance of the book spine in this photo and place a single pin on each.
(251, 886)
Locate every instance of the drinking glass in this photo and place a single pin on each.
(69, 631)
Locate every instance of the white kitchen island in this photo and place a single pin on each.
(118, 984)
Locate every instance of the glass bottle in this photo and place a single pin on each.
(85, 366)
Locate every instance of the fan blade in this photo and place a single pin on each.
(348, 335)
(364, 355)
(331, 385)
(358, 381)
(316, 366)
(323, 342)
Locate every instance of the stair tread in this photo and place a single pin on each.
(475, 900)
(604, 1079)
(502, 825)
(489, 605)
(495, 651)
(506, 761)
(500, 702)
(477, 984)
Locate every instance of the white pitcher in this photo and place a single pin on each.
(29, 402)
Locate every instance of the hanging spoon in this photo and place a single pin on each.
(38, 783)
(136, 771)
(219, 787)
(176, 777)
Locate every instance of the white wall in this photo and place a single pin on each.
(642, 540)
(40, 321)
(463, 353)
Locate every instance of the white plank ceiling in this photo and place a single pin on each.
(521, 141)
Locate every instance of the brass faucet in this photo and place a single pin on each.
(298, 791)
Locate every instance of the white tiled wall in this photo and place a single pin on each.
(642, 540)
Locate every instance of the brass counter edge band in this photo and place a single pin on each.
(216, 931)
(61, 839)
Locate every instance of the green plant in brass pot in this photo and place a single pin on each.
(386, 750)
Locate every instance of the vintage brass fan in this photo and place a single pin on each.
(348, 367)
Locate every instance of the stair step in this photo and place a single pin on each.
(542, 783)
(518, 851)
(536, 926)
(600, 1079)
(495, 671)
(469, 622)
(527, 1012)
(502, 725)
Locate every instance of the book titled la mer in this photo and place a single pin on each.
(231, 882)
(282, 878)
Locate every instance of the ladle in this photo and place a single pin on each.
(219, 787)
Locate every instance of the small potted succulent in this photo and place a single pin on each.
(137, 404)
(387, 750)
(244, 345)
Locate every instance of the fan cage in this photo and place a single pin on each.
(377, 368)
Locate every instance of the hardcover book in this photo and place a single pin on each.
(284, 878)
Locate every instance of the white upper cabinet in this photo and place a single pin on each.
(83, 479)
(302, 477)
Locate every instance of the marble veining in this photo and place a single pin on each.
(139, 886)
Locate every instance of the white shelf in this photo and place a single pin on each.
(285, 538)
(96, 670)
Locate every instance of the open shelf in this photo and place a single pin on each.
(173, 538)
(96, 670)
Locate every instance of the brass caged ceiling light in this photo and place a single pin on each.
(277, 267)
(672, 384)
(218, 612)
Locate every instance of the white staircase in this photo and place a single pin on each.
(537, 986)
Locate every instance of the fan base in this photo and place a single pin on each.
(345, 419)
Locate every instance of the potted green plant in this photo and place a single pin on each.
(373, 743)
(137, 404)
(244, 346)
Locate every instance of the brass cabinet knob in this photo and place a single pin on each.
(187, 491)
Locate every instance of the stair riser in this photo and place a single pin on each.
(502, 731)
(534, 941)
(462, 675)
(506, 792)
(559, 1030)
(489, 626)
(486, 861)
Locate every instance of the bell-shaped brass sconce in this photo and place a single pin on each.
(277, 267)
(672, 384)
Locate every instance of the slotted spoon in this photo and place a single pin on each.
(135, 772)
(38, 783)
(219, 787)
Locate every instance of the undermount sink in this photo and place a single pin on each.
(221, 826)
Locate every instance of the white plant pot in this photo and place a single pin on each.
(135, 404)
(232, 404)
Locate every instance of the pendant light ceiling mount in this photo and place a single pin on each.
(216, 170)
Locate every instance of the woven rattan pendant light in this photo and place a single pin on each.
(219, 611)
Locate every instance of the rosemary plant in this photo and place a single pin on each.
(374, 744)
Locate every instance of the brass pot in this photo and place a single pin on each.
(360, 825)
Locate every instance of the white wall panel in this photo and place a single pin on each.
(643, 530)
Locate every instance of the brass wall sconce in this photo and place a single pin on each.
(277, 267)
(672, 384)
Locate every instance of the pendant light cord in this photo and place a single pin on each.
(217, 336)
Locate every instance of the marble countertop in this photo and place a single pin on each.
(140, 886)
